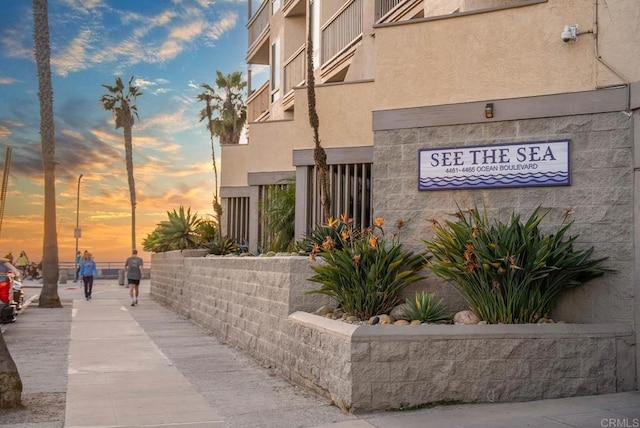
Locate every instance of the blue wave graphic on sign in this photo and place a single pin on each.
(552, 178)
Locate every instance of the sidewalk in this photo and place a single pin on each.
(144, 366)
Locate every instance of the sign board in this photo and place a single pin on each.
(541, 163)
(77, 232)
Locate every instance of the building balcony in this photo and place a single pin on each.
(398, 10)
(294, 75)
(339, 36)
(294, 8)
(258, 30)
(258, 104)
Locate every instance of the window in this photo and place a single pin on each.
(275, 70)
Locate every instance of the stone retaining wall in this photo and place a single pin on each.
(259, 305)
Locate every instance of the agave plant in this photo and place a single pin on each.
(207, 230)
(221, 246)
(426, 308)
(153, 243)
(180, 231)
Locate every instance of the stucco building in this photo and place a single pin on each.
(397, 78)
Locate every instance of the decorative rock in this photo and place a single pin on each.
(386, 319)
(544, 321)
(351, 319)
(323, 310)
(482, 323)
(399, 312)
(466, 317)
(401, 322)
(416, 322)
(374, 320)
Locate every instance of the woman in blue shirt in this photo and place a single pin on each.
(87, 271)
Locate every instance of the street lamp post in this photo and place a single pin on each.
(77, 232)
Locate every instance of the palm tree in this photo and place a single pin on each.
(226, 116)
(124, 109)
(10, 382)
(49, 296)
(319, 154)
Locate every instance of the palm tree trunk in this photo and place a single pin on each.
(10, 382)
(128, 148)
(49, 294)
(319, 154)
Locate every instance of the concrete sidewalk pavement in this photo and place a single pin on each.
(144, 366)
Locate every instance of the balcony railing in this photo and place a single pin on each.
(295, 70)
(258, 103)
(342, 30)
(384, 6)
(258, 23)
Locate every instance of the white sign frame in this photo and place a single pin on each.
(527, 164)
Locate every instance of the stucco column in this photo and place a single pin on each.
(302, 178)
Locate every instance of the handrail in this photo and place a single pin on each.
(341, 30)
(258, 23)
(295, 70)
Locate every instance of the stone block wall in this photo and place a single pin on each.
(601, 194)
(242, 300)
(260, 305)
(398, 367)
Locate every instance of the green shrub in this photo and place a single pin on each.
(221, 246)
(509, 273)
(426, 308)
(363, 272)
(277, 215)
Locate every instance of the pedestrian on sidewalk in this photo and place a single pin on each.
(22, 262)
(133, 267)
(78, 262)
(87, 271)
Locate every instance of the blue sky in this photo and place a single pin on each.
(171, 47)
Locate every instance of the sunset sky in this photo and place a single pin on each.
(171, 47)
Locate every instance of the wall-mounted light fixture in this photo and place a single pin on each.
(488, 111)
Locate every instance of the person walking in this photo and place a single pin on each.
(87, 271)
(22, 262)
(133, 267)
(78, 262)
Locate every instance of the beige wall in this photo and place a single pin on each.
(345, 121)
(503, 54)
(233, 171)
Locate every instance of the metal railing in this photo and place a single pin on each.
(258, 103)
(384, 6)
(342, 30)
(295, 70)
(258, 23)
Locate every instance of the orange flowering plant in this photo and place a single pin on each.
(362, 270)
(509, 272)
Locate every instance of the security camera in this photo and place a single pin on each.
(570, 33)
